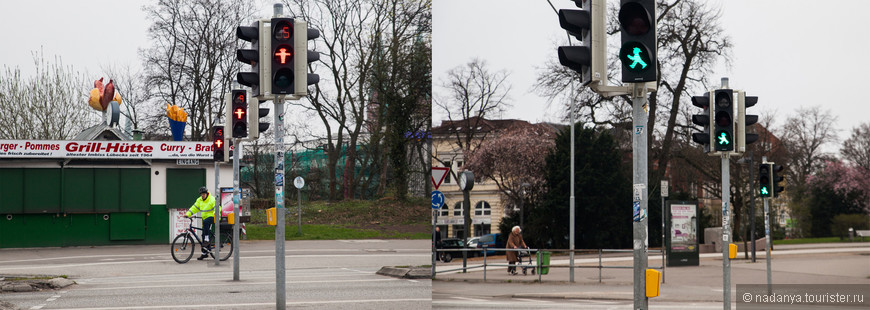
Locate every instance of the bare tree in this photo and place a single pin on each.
(804, 134)
(192, 62)
(856, 149)
(52, 104)
(473, 93)
(353, 35)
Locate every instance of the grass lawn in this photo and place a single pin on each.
(351, 219)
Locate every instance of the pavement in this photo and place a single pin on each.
(832, 263)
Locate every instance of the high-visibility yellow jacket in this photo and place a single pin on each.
(205, 206)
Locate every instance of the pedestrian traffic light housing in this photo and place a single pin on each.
(637, 25)
(238, 114)
(765, 186)
(302, 57)
(723, 120)
(257, 34)
(218, 143)
(587, 25)
(776, 177)
(256, 112)
(744, 121)
(703, 120)
(283, 71)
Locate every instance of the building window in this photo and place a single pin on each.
(459, 231)
(482, 229)
(445, 210)
(482, 208)
(457, 209)
(448, 165)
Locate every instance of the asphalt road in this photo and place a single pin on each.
(319, 275)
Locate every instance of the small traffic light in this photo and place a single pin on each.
(256, 112)
(744, 121)
(723, 122)
(637, 24)
(765, 187)
(302, 57)
(702, 120)
(587, 25)
(239, 113)
(260, 70)
(218, 143)
(776, 177)
(282, 56)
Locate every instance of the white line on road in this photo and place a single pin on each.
(223, 284)
(289, 303)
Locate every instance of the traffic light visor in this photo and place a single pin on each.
(634, 19)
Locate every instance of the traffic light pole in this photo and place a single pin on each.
(218, 206)
(767, 240)
(280, 289)
(238, 149)
(726, 230)
(640, 172)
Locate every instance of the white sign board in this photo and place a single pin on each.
(105, 149)
(299, 182)
(664, 188)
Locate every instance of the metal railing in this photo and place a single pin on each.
(538, 266)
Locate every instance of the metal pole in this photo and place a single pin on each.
(466, 210)
(767, 241)
(752, 206)
(726, 231)
(299, 210)
(434, 246)
(281, 292)
(236, 151)
(218, 206)
(663, 232)
(571, 203)
(640, 172)
(522, 211)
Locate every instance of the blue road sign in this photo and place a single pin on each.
(437, 200)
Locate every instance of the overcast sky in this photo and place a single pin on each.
(789, 53)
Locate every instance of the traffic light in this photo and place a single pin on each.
(765, 187)
(261, 70)
(637, 24)
(282, 56)
(218, 143)
(702, 120)
(256, 112)
(776, 177)
(239, 113)
(302, 57)
(587, 25)
(723, 120)
(744, 121)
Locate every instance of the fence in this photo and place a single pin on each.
(538, 266)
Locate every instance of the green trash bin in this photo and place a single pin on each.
(543, 260)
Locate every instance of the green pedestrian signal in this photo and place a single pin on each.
(764, 192)
(722, 139)
(634, 56)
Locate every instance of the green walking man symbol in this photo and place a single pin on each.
(636, 59)
(764, 191)
(723, 139)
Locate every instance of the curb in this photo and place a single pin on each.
(406, 273)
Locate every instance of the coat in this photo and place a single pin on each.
(205, 206)
(515, 241)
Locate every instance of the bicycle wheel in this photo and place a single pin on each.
(226, 246)
(182, 248)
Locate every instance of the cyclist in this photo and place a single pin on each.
(205, 205)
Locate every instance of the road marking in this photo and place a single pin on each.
(37, 307)
(469, 299)
(224, 284)
(299, 303)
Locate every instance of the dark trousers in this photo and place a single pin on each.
(207, 225)
(512, 268)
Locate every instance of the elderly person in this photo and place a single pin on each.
(515, 241)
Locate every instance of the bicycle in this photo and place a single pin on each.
(185, 243)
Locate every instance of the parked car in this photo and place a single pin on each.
(488, 241)
(450, 243)
(472, 243)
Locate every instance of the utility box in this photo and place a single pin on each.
(272, 216)
(732, 251)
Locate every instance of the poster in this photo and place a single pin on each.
(683, 224)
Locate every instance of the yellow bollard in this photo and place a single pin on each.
(653, 283)
(732, 251)
(271, 216)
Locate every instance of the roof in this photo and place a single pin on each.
(102, 132)
(482, 125)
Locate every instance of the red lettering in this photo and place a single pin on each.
(148, 149)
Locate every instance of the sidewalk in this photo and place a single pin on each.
(830, 264)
